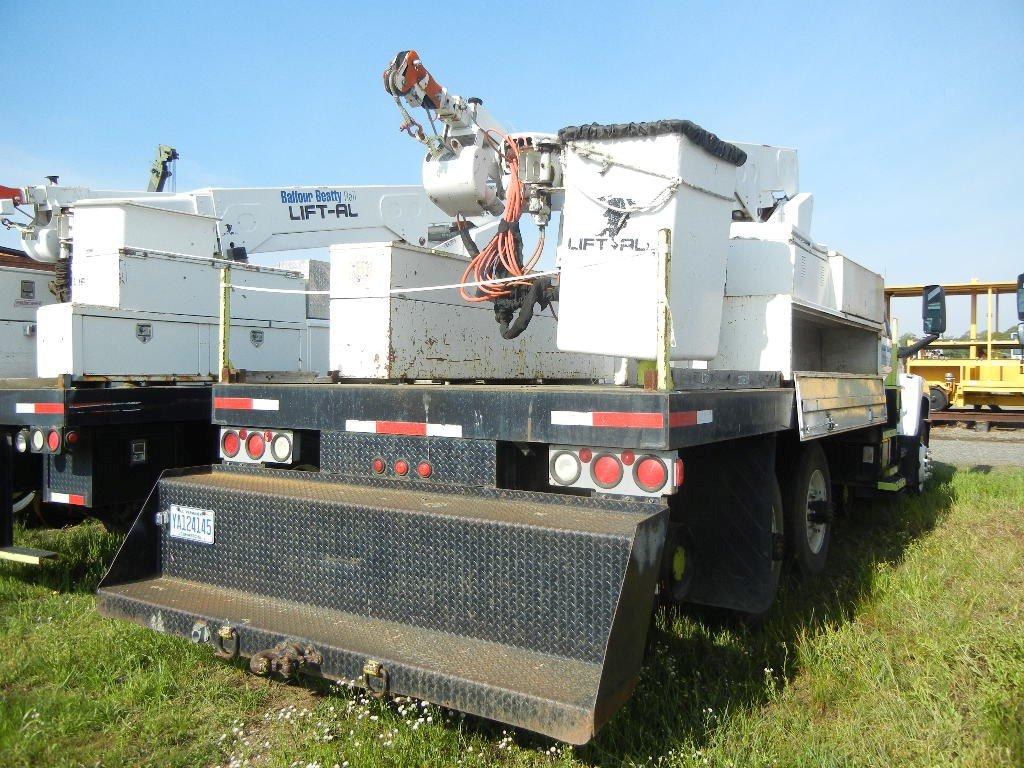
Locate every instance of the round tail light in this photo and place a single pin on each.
(21, 442)
(402, 467)
(651, 474)
(606, 470)
(565, 468)
(53, 440)
(231, 444)
(38, 440)
(379, 466)
(424, 469)
(281, 448)
(255, 445)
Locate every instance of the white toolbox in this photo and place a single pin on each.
(611, 278)
(88, 341)
(183, 285)
(23, 290)
(318, 278)
(436, 334)
(17, 349)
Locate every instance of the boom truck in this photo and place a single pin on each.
(485, 515)
(121, 389)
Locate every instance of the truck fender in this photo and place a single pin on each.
(912, 399)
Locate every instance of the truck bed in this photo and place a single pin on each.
(48, 402)
(719, 408)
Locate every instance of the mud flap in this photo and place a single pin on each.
(726, 512)
(529, 609)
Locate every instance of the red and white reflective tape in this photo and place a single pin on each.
(415, 428)
(689, 418)
(246, 404)
(629, 419)
(67, 498)
(49, 408)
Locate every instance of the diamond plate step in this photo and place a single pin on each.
(531, 609)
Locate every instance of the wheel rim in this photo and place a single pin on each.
(816, 491)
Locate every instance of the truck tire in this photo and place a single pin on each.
(809, 510)
(916, 463)
(938, 398)
(778, 529)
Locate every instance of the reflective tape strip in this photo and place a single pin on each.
(413, 428)
(246, 404)
(53, 408)
(617, 419)
(629, 419)
(67, 498)
(689, 418)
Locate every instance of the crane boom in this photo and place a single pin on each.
(160, 171)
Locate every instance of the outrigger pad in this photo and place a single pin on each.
(530, 609)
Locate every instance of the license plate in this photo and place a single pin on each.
(191, 524)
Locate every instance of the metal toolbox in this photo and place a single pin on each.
(88, 341)
(435, 334)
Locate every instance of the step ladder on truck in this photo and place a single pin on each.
(484, 514)
(124, 360)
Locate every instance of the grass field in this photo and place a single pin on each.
(911, 652)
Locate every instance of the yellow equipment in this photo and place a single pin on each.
(992, 374)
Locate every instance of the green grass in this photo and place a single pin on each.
(911, 652)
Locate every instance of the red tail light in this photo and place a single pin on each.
(53, 440)
(379, 466)
(231, 444)
(255, 445)
(402, 467)
(651, 474)
(424, 469)
(606, 471)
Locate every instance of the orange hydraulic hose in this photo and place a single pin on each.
(501, 250)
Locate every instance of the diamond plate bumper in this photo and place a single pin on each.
(530, 609)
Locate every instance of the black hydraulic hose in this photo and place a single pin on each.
(535, 294)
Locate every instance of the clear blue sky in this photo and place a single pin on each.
(909, 118)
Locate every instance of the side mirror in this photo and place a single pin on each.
(933, 309)
(1020, 310)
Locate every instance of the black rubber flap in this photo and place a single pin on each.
(706, 140)
(524, 608)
